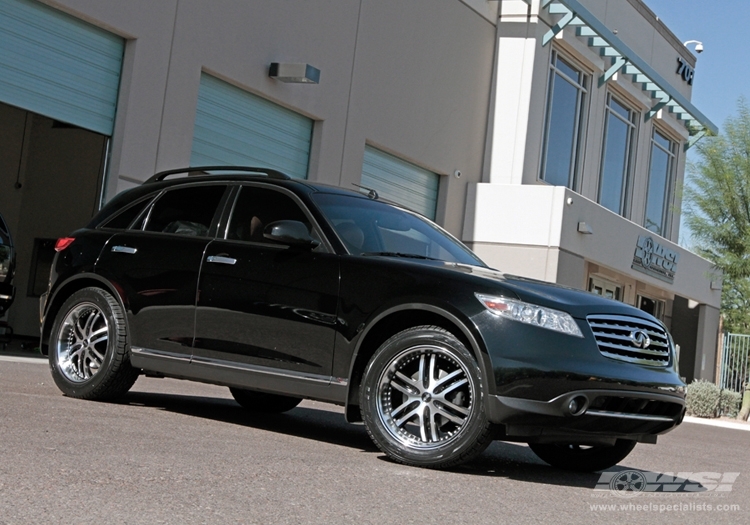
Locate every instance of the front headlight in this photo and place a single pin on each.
(531, 314)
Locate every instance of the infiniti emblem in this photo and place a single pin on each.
(640, 339)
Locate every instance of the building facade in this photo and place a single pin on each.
(507, 124)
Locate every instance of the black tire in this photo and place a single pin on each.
(263, 403)
(88, 347)
(422, 399)
(583, 459)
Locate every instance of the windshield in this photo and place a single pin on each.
(368, 227)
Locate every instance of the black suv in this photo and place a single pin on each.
(7, 267)
(283, 289)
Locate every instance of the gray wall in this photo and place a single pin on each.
(409, 77)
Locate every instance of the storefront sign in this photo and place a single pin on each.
(654, 259)
(685, 71)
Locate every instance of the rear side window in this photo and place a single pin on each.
(125, 218)
(185, 211)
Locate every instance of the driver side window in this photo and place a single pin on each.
(256, 208)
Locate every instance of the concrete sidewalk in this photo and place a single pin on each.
(719, 422)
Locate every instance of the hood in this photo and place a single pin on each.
(577, 303)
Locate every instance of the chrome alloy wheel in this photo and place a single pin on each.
(425, 397)
(82, 342)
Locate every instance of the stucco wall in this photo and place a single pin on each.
(412, 78)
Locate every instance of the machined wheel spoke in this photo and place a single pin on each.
(403, 406)
(102, 330)
(409, 381)
(77, 353)
(421, 374)
(434, 427)
(422, 422)
(445, 380)
(90, 320)
(95, 355)
(409, 415)
(457, 420)
(409, 390)
(79, 331)
(92, 342)
(454, 406)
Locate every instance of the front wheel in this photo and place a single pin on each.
(88, 347)
(581, 458)
(422, 399)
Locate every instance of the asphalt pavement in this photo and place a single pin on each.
(180, 452)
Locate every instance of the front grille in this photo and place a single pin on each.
(631, 339)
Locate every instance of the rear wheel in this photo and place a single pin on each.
(581, 458)
(422, 399)
(88, 347)
(263, 403)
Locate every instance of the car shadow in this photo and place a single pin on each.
(307, 423)
(512, 461)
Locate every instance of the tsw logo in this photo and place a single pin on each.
(630, 483)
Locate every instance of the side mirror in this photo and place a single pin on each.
(293, 233)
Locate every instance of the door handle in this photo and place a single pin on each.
(218, 259)
(124, 249)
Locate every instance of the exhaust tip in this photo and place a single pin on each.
(577, 405)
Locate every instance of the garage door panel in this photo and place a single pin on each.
(400, 181)
(56, 65)
(234, 127)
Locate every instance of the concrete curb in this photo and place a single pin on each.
(723, 423)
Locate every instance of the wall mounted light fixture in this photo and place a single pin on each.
(294, 73)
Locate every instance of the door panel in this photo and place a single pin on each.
(158, 276)
(157, 268)
(262, 303)
(272, 307)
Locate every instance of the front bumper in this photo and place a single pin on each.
(588, 417)
(552, 387)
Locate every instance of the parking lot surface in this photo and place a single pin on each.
(179, 452)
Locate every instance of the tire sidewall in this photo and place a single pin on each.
(441, 455)
(90, 386)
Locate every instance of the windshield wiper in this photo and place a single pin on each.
(400, 254)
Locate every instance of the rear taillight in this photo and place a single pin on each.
(63, 242)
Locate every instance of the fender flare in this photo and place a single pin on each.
(477, 348)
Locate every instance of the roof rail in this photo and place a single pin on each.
(203, 170)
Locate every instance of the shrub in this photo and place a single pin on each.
(703, 398)
(729, 405)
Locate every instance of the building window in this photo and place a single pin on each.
(660, 185)
(605, 288)
(651, 306)
(564, 126)
(619, 133)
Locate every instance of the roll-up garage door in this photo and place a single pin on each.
(58, 66)
(234, 127)
(400, 181)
